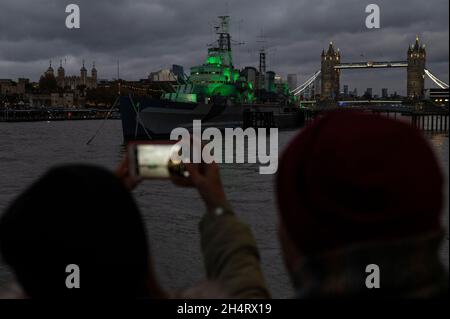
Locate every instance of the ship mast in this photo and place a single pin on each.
(225, 38)
(262, 60)
(224, 35)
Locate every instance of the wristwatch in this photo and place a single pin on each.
(221, 210)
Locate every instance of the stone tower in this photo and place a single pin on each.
(330, 75)
(94, 74)
(416, 70)
(61, 75)
(83, 73)
(50, 71)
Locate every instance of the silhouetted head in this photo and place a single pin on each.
(77, 215)
(353, 178)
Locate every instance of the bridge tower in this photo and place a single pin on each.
(330, 75)
(416, 70)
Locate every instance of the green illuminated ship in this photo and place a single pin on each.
(216, 93)
(217, 77)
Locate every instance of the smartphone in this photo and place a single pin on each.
(155, 160)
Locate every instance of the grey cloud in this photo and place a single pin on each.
(150, 34)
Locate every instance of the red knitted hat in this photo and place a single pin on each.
(354, 177)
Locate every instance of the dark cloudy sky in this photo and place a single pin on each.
(148, 35)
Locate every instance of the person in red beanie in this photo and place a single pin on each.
(360, 202)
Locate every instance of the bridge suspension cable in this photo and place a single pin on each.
(301, 88)
(438, 82)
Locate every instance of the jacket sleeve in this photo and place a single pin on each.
(231, 256)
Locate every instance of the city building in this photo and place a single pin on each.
(165, 75)
(345, 90)
(40, 100)
(439, 96)
(64, 100)
(251, 74)
(395, 95)
(384, 93)
(10, 87)
(178, 71)
(270, 81)
(57, 100)
(278, 79)
(292, 81)
(72, 82)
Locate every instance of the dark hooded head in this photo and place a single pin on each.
(352, 178)
(83, 216)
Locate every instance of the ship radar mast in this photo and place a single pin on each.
(222, 48)
(224, 23)
(224, 35)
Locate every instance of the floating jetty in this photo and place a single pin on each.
(262, 116)
(46, 114)
(428, 121)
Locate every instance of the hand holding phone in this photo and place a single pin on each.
(123, 173)
(158, 160)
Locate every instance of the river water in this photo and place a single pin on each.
(171, 214)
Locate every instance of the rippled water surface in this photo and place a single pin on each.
(171, 214)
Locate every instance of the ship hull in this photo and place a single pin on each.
(147, 118)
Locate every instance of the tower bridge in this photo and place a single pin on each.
(331, 67)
